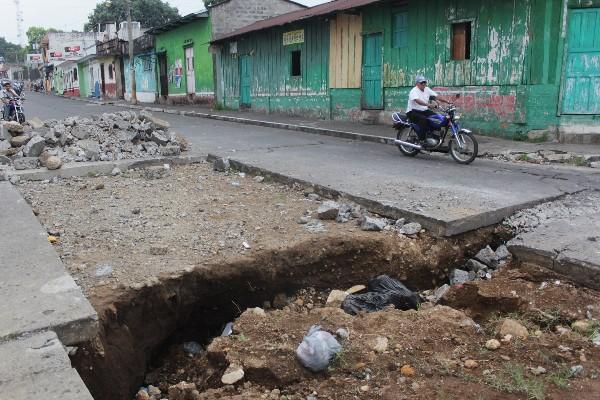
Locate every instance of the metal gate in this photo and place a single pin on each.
(582, 71)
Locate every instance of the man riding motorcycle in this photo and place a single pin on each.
(419, 108)
(8, 94)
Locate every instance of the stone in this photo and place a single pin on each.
(116, 171)
(410, 229)
(336, 296)
(595, 164)
(19, 141)
(582, 327)
(233, 374)
(356, 289)
(53, 162)
(471, 364)
(91, 149)
(257, 311)
(280, 300)
(80, 133)
(313, 197)
(440, 292)
(576, 370)
(66, 140)
(170, 151)
(559, 157)
(4, 145)
(103, 270)
(158, 123)
(192, 348)
(259, 179)
(365, 388)
(538, 370)
(486, 256)
(14, 128)
(516, 329)
(342, 333)
(379, 344)
(26, 163)
(153, 391)
(458, 277)
(183, 391)
(221, 165)
(372, 224)
(34, 147)
(399, 224)
(492, 344)
(502, 253)
(35, 123)
(475, 266)
(159, 138)
(5, 160)
(328, 210)
(407, 371)
(303, 220)
(142, 395)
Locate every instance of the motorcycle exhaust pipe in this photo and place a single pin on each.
(403, 143)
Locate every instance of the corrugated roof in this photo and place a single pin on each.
(323, 9)
(289, 1)
(178, 22)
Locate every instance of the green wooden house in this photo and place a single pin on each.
(185, 66)
(521, 66)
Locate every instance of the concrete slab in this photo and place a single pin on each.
(36, 293)
(37, 367)
(570, 247)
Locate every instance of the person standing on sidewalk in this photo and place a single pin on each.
(419, 108)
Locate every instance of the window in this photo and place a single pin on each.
(110, 71)
(296, 69)
(461, 41)
(400, 29)
(74, 74)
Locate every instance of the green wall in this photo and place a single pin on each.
(173, 42)
(273, 88)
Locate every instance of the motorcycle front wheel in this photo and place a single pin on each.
(410, 136)
(21, 118)
(466, 153)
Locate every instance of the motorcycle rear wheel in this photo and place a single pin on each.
(467, 154)
(408, 135)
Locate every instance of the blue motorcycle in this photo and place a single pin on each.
(462, 145)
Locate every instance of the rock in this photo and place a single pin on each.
(159, 250)
(5, 160)
(257, 311)
(19, 141)
(153, 391)
(4, 145)
(458, 277)
(158, 138)
(439, 293)
(356, 289)
(559, 157)
(14, 128)
(328, 210)
(170, 151)
(70, 121)
(91, 149)
(372, 224)
(34, 147)
(471, 364)
(313, 197)
(475, 266)
(259, 179)
(595, 164)
(538, 370)
(183, 391)
(26, 163)
(221, 165)
(407, 371)
(582, 327)
(142, 395)
(576, 370)
(379, 344)
(336, 297)
(502, 253)
(116, 171)
(303, 220)
(487, 257)
(492, 344)
(233, 374)
(399, 224)
(514, 328)
(342, 333)
(410, 229)
(192, 348)
(66, 140)
(53, 163)
(35, 123)
(158, 123)
(103, 270)
(365, 388)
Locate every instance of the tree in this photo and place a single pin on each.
(11, 52)
(35, 35)
(151, 13)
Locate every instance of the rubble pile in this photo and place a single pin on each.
(107, 137)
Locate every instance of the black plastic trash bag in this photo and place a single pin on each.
(383, 292)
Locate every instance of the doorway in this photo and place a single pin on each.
(190, 76)
(372, 98)
(102, 81)
(163, 74)
(245, 81)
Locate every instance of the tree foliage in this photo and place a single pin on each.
(151, 13)
(11, 52)
(35, 35)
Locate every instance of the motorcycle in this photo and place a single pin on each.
(17, 113)
(462, 144)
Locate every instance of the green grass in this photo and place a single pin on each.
(512, 380)
(524, 157)
(578, 161)
(561, 377)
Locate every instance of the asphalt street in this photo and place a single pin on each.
(432, 189)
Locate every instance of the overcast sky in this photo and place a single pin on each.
(70, 15)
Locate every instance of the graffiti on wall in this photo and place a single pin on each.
(175, 73)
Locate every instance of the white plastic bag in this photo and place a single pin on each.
(317, 349)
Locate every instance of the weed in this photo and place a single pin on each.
(524, 157)
(444, 396)
(240, 337)
(513, 380)
(339, 360)
(578, 161)
(561, 377)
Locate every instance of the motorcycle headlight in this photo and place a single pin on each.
(457, 117)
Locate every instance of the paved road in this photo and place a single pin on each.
(447, 197)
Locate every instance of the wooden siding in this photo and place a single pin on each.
(345, 51)
(271, 62)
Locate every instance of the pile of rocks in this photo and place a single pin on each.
(546, 156)
(108, 137)
(481, 266)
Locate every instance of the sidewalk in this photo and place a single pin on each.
(489, 147)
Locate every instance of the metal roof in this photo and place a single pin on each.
(283, 19)
(179, 22)
(288, 1)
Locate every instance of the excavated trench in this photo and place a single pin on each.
(138, 325)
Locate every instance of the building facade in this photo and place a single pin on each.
(145, 66)
(520, 67)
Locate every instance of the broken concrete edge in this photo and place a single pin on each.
(71, 333)
(99, 168)
(580, 272)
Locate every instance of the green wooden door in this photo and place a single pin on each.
(245, 80)
(371, 72)
(582, 72)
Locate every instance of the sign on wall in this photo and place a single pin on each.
(293, 37)
(34, 59)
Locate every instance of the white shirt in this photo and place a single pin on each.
(419, 94)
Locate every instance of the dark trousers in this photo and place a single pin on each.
(420, 118)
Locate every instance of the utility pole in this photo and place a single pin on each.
(131, 62)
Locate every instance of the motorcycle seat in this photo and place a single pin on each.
(400, 120)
